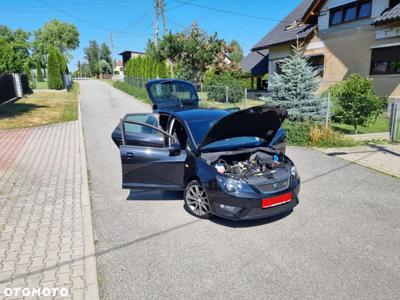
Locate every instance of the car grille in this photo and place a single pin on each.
(274, 187)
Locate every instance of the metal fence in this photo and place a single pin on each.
(7, 89)
(395, 121)
(13, 86)
(229, 97)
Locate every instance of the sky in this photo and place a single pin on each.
(131, 22)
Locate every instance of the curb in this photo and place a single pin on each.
(91, 281)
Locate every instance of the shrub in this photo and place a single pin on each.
(139, 93)
(39, 74)
(54, 80)
(298, 133)
(312, 134)
(215, 86)
(356, 101)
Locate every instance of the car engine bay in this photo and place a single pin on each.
(261, 163)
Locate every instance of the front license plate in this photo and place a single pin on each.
(277, 200)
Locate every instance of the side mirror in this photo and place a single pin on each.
(174, 149)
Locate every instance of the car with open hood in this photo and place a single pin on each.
(230, 163)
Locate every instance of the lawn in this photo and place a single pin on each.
(224, 105)
(41, 108)
(381, 125)
(41, 85)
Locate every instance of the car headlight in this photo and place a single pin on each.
(231, 185)
(294, 173)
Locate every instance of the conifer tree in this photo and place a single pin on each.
(54, 71)
(295, 87)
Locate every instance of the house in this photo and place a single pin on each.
(127, 55)
(119, 67)
(342, 37)
(255, 64)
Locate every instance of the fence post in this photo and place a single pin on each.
(201, 87)
(226, 94)
(328, 110)
(394, 117)
(245, 98)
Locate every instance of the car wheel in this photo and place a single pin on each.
(196, 200)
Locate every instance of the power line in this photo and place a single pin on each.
(229, 12)
(82, 20)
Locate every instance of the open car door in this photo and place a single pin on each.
(147, 164)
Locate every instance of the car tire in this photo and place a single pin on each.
(196, 200)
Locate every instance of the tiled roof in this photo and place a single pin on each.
(279, 34)
(255, 63)
(389, 15)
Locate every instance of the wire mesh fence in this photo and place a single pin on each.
(232, 97)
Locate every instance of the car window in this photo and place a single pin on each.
(174, 92)
(136, 128)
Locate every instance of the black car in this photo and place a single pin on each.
(230, 163)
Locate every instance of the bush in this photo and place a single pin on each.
(39, 74)
(356, 101)
(215, 86)
(140, 94)
(312, 134)
(298, 133)
(146, 67)
(54, 80)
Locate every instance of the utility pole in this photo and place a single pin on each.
(112, 55)
(156, 10)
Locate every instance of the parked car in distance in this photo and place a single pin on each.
(229, 164)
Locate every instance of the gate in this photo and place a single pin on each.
(395, 121)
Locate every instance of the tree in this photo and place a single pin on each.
(190, 53)
(54, 80)
(27, 71)
(236, 51)
(105, 67)
(92, 55)
(105, 53)
(62, 35)
(39, 74)
(294, 88)
(14, 50)
(357, 103)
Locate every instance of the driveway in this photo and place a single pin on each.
(342, 241)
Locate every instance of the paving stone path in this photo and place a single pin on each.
(46, 238)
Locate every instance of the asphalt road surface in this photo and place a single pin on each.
(341, 241)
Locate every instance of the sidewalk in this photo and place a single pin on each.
(384, 158)
(46, 237)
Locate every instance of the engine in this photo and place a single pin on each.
(257, 164)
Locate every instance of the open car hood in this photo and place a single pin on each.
(172, 94)
(260, 121)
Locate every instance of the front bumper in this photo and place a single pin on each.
(238, 208)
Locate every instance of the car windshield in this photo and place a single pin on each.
(199, 128)
(173, 93)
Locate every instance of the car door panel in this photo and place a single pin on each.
(144, 166)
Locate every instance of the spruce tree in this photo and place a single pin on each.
(295, 87)
(54, 80)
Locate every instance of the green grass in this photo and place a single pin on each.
(41, 85)
(381, 125)
(224, 105)
(41, 108)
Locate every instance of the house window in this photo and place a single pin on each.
(385, 61)
(350, 12)
(317, 62)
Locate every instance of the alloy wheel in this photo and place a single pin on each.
(197, 200)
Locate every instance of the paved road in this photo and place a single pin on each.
(342, 241)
